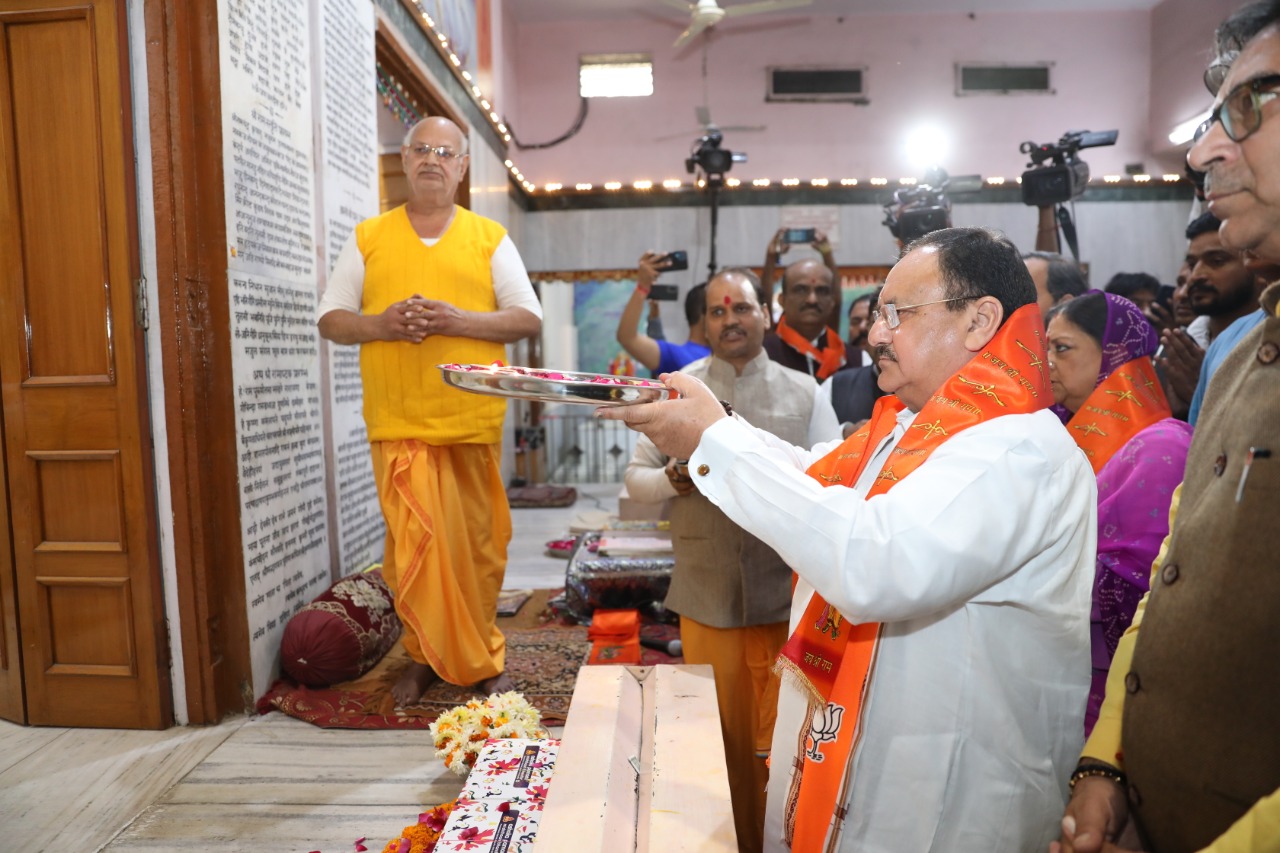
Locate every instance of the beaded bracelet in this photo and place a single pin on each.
(1087, 770)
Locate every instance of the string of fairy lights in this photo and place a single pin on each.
(440, 40)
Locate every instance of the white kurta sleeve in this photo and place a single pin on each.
(982, 506)
(511, 283)
(645, 478)
(345, 288)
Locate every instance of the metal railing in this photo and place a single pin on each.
(581, 448)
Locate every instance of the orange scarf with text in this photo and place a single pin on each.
(1127, 402)
(830, 659)
(829, 359)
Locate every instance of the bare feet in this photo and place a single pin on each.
(500, 683)
(411, 685)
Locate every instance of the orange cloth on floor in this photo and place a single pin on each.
(747, 693)
(615, 637)
(448, 525)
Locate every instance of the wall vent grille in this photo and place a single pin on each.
(979, 79)
(808, 84)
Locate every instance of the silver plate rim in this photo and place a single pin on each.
(506, 381)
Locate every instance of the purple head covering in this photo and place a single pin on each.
(1127, 335)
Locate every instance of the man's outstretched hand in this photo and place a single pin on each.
(675, 426)
(1097, 820)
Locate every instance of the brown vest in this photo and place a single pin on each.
(725, 577)
(1201, 732)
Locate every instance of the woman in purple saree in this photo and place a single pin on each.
(1091, 337)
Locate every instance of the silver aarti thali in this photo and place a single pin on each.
(555, 386)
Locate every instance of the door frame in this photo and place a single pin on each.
(184, 92)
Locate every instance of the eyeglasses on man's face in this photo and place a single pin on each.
(446, 154)
(804, 291)
(892, 314)
(1241, 110)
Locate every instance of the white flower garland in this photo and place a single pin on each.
(460, 732)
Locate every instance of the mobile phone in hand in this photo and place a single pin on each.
(796, 236)
(676, 261)
(664, 292)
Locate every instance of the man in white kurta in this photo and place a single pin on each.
(978, 565)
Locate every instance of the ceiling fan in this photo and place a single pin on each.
(705, 13)
(702, 112)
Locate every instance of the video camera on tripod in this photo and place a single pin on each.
(1067, 176)
(713, 160)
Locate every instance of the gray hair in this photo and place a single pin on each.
(1065, 276)
(408, 137)
(1231, 36)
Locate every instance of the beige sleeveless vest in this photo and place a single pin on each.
(725, 577)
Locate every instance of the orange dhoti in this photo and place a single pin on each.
(448, 525)
(747, 693)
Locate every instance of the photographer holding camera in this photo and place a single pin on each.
(661, 356)
(805, 338)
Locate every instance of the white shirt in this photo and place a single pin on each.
(980, 567)
(1198, 329)
(511, 285)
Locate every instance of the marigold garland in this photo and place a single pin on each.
(460, 732)
(423, 835)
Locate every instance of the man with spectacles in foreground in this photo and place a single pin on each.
(428, 283)
(936, 674)
(1186, 752)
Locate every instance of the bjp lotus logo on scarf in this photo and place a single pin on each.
(829, 621)
(824, 729)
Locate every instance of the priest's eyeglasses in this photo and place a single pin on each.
(445, 154)
(1241, 110)
(892, 314)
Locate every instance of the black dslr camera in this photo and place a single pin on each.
(1067, 175)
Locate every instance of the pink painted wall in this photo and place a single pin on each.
(1102, 76)
(1181, 48)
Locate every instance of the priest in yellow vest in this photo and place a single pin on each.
(424, 284)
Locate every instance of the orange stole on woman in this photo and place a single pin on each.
(828, 658)
(1123, 405)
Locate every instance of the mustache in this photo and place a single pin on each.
(727, 329)
(886, 352)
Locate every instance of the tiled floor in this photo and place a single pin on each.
(248, 784)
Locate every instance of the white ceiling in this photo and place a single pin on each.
(579, 10)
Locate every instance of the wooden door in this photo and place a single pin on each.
(76, 437)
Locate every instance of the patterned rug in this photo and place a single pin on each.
(543, 660)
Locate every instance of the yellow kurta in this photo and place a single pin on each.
(435, 448)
